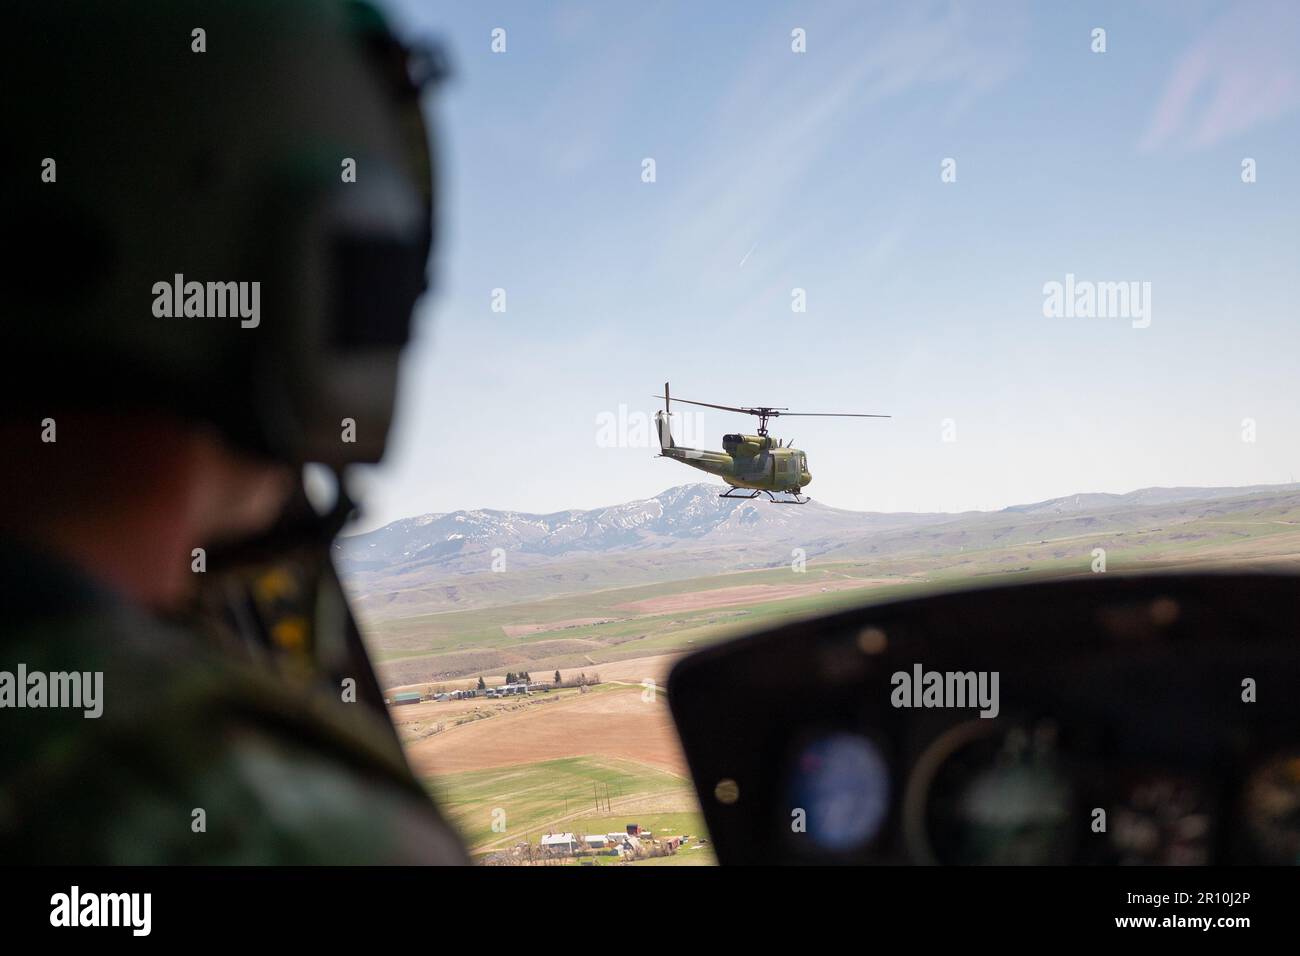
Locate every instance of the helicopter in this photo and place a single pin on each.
(757, 464)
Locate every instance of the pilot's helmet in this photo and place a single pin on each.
(221, 209)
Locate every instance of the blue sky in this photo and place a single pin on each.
(821, 171)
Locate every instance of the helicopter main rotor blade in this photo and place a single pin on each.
(725, 408)
(767, 412)
(827, 415)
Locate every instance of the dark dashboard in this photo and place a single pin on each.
(1105, 720)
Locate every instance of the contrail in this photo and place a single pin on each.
(748, 254)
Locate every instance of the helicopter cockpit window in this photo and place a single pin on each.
(680, 510)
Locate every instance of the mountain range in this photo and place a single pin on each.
(446, 561)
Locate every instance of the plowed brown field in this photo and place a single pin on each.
(614, 723)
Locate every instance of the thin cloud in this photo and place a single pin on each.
(1240, 73)
(774, 125)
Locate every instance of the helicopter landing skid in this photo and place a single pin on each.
(795, 499)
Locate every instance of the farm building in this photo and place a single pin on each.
(619, 844)
(410, 697)
(559, 843)
(596, 841)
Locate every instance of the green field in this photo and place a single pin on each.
(480, 628)
(468, 643)
(559, 795)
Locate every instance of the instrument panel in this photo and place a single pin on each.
(1137, 722)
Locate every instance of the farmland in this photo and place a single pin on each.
(565, 794)
(584, 759)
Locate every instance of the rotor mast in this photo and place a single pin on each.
(763, 415)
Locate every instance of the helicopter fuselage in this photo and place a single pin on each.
(759, 462)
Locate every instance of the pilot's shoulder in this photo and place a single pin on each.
(176, 752)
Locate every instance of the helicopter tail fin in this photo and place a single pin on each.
(665, 432)
(663, 423)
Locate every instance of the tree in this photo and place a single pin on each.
(557, 678)
(510, 677)
(481, 684)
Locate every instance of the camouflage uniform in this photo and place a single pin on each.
(282, 776)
